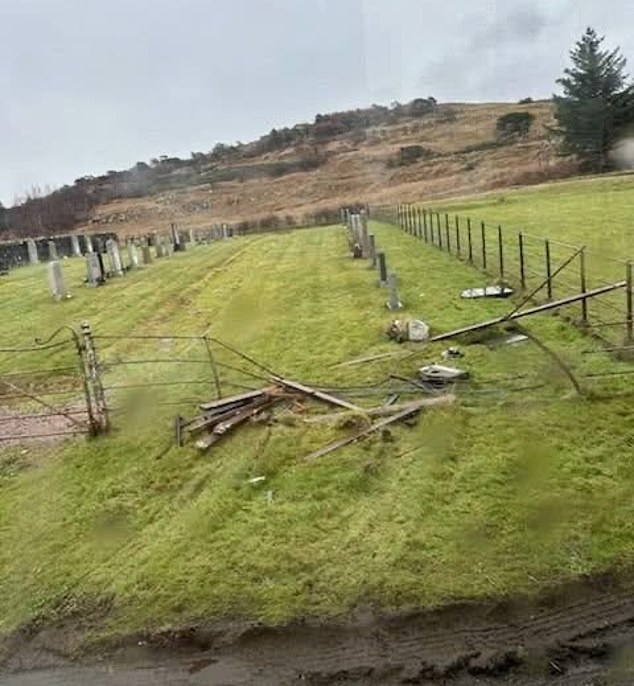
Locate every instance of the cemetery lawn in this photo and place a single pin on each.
(518, 486)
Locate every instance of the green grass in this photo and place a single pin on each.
(505, 492)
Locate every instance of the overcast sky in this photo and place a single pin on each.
(93, 85)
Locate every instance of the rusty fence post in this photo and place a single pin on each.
(95, 384)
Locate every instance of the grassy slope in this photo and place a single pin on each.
(596, 212)
(491, 497)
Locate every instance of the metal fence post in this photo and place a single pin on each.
(549, 286)
(448, 240)
(583, 284)
(629, 336)
(439, 227)
(469, 240)
(484, 245)
(458, 236)
(520, 239)
(501, 251)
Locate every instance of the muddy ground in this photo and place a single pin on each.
(580, 635)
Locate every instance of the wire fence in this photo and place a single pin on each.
(525, 261)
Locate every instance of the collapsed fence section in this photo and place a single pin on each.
(526, 262)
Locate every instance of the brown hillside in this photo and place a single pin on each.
(461, 157)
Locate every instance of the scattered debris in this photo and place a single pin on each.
(257, 480)
(370, 358)
(320, 395)
(439, 375)
(487, 292)
(401, 330)
(452, 353)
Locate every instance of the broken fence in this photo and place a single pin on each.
(524, 261)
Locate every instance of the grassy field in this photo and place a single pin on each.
(504, 492)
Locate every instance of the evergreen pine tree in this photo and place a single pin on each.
(597, 101)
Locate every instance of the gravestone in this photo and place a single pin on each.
(372, 242)
(114, 257)
(393, 303)
(52, 251)
(74, 241)
(192, 237)
(168, 249)
(133, 256)
(94, 269)
(382, 269)
(32, 248)
(225, 232)
(146, 254)
(56, 280)
(159, 249)
(88, 243)
(175, 238)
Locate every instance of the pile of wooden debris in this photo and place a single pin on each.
(220, 417)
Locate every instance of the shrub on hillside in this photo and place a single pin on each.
(514, 125)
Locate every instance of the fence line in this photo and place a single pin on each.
(523, 260)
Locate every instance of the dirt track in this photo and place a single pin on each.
(581, 635)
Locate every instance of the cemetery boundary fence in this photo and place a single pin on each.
(522, 260)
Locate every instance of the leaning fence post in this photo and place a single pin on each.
(520, 239)
(629, 302)
(458, 236)
(548, 270)
(484, 246)
(583, 284)
(214, 368)
(501, 251)
(94, 379)
(469, 240)
(448, 241)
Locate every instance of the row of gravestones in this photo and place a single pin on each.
(152, 246)
(363, 246)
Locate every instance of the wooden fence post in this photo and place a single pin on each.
(629, 335)
(469, 240)
(549, 285)
(458, 236)
(484, 246)
(520, 239)
(420, 223)
(96, 390)
(583, 284)
(448, 240)
(501, 251)
(425, 225)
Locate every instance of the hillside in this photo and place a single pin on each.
(291, 175)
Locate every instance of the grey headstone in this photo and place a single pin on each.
(114, 257)
(174, 235)
(146, 254)
(52, 251)
(133, 256)
(94, 273)
(56, 280)
(32, 248)
(393, 303)
(88, 243)
(159, 249)
(225, 231)
(74, 241)
(192, 238)
(382, 268)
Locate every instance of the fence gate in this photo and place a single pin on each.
(50, 389)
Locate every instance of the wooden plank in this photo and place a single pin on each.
(403, 414)
(527, 313)
(238, 418)
(236, 399)
(370, 358)
(320, 395)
